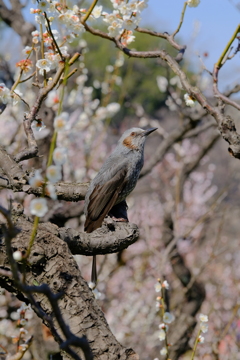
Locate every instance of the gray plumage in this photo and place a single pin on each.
(116, 179)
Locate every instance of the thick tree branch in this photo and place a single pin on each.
(13, 171)
(51, 263)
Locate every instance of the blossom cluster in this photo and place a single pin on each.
(125, 18)
(167, 317)
(203, 327)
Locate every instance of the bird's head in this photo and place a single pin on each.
(134, 138)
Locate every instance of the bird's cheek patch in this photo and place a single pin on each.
(128, 143)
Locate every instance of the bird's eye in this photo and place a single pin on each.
(133, 133)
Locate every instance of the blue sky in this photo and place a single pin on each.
(216, 20)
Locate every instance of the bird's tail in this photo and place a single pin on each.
(94, 270)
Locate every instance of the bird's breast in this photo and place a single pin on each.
(134, 168)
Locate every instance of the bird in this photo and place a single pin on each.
(114, 182)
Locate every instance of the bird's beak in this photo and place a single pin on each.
(148, 131)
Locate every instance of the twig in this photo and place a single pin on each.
(52, 36)
(89, 11)
(181, 19)
(219, 62)
(218, 94)
(22, 349)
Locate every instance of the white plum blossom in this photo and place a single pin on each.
(87, 90)
(163, 326)
(161, 335)
(82, 43)
(54, 173)
(27, 50)
(91, 285)
(118, 80)
(38, 207)
(81, 79)
(64, 51)
(40, 19)
(44, 64)
(163, 351)
(162, 83)
(60, 156)
(17, 255)
(5, 94)
(120, 61)
(83, 121)
(96, 294)
(72, 22)
(115, 28)
(96, 84)
(168, 317)
(43, 5)
(23, 322)
(109, 18)
(60, 121)
(101, 113)
(36, 180)
(130, 23)
(109, 68)
(70, 37)
(175, 81)
(23, 332)
(52, 99)
(165, 284)
(193, 3)
(189, 100)
(112, 108)
(77, 28)
(35, 33)
(203, 318)
(24, 307)
(94, 104)
(97, 11)
(201, 339)
(128, 38)
(51, 192)
(142, 5)
(38, 125)
(158, 287)
(204, 327)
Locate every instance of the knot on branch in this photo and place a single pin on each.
(112, 237)
(228, 131)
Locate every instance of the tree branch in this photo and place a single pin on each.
(51, 263)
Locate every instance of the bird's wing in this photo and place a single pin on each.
(103, 197)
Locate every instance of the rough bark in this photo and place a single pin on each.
(52, 263)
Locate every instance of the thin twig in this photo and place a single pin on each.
(52, 36)
(89, 11)
(181, 19)
(219, 62)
